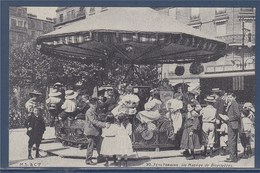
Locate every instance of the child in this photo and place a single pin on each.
(208, 119)
(223, 137)
(190, 139)
(34, 101)
(109, 143)
(69, 106)
(245, 135)
(124, 143)
(174, 114)
(35, 128)
(54, 104)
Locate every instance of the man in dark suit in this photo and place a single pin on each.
(234, 115)
(220, 107)
(35, 128)
(92, 130)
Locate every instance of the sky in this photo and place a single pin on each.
(42, 12)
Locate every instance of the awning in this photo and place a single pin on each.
(133, 35)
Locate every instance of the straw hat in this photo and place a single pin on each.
(216, 90)
(210, 99)
(57, 84)
(70, 94)
(54, 93)
(35, 92)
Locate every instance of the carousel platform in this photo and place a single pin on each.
(53, 147)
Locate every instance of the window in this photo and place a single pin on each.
(33, 34)
(221, 29)
(13, 22)
(92, 11)
(68, 15)
(20, 23)
(19, 12)
(73, 15)
(24, 24)
(248, 25)
(13, 37)
(220, 10)
(247, 9)
(32, 24)
(195, 13)
(44, 26)
(61, 17)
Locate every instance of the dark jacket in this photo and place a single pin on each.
(37, 124)
(234, 115)
(92, 124)
(219, 106)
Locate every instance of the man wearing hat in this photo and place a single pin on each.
(54, 104)
(234, 116)
(220, 107)
(93, 131)
(208, 114)
(34, 101)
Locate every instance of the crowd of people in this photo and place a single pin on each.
(217, 125)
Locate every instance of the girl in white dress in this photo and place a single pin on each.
(109, 144)
(124, 143)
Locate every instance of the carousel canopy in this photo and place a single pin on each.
(131, 35)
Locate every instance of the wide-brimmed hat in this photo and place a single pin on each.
(58, 84)
(210, 99)
(35, 92)
(70, 94)
(54, 93)
(216, 90)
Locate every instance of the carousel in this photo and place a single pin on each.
(134, 36)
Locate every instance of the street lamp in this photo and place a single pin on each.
(249, 44)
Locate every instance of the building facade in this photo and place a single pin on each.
(24, 27)
(18, 25)
(37, 27)
(66, 15)
(233, 72)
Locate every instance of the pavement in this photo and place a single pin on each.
(56, 155)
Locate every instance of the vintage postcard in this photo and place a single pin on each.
(127, 87)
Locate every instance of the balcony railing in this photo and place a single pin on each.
(236, 38)
(18, 28)
(230, 68)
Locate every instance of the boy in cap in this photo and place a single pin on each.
(246, 129)
(35, 128)
(208, 114)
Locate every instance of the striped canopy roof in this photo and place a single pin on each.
(133, 35)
